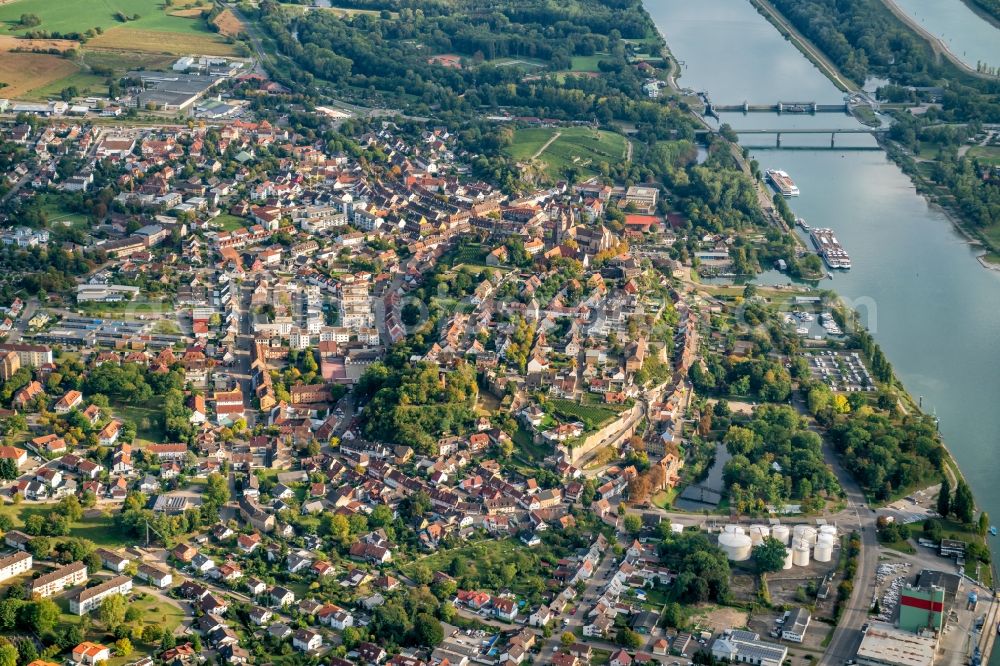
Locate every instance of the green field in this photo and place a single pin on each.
(587, 63)
(80, 15)
(579, 148)
(229, 222)
(101, 529)
(990, 154)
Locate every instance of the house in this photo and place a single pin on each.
(19, 456)
(112, 560)
(90, 653)
(795, 626)
(17, 539)
(369, 653)
(202, 563)
(155, 576)
(281, 596)
(541, 616)
(109, 434)
(505, 609)
(620, 658)
(305, 640)
(70, 400)
(260, 616)
(335, 617)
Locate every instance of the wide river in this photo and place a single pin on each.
(932, 307)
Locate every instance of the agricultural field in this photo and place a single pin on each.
(228, 24)
(594, 417)
(556, 150)
(23, 72)
(176, 30)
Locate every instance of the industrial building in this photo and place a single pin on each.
(884, 645)
(739, 646)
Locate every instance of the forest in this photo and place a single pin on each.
(413, 405)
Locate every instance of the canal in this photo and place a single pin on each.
(932, 307)
(968, 36)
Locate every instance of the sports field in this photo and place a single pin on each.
(555, 150)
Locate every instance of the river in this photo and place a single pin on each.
(968, 36)
(932, 307)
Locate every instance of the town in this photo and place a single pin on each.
(321, 387)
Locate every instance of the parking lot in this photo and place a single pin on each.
(842, 371)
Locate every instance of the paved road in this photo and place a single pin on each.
(583, 604)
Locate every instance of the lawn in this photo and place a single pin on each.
(989, 154)
(587, 63)
(592, 416)
(99, 528)
(148, 422)
(85, 83)
(526, 443)
(229, 222)
(580, 148)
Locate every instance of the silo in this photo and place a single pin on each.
(828, 529)
(735, 546)
(733, 529)
(781, 533)
(823, 551)
(805, 533)
(758, 533)
(800, 553)
(788, 559)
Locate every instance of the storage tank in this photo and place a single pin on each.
(781, 533)
(800, 553)
(828, 529)
(805, 533)
(733, 529)
(823, 552)
(788, 559)
(758, 533)
(736, 546)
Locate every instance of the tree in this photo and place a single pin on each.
(427, 630)
(629, 639)
(40, 547)
(632, 523)
(42, 615)
(965, 506)
(112, 611)
(8, 654)
(944, 498)
(8, 469)
(984, 523)
(123, 646)
(567, 639)
(217, 490)
(769, 555)
(673, 615)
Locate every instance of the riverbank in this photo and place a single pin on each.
(982, 13)
(940, 47)
(917, 289)
(805, 47)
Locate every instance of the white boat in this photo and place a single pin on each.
(782, 182)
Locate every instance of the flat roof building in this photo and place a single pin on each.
(883, 645)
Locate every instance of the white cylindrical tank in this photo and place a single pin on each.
(788, 559)
(781, 533)
(733, 529)
(758, 533)
(828, 529)
(800, 554)
(736, 546)
(828, 539)
(805, 533)
(823, 552)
